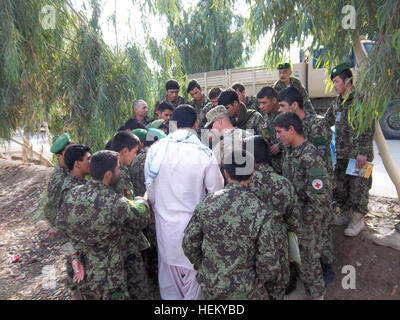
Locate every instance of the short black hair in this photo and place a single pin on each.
(267, 92)
(287, 119)
(346, 74)
(165, 106)
(132, 124)
(193, 84)
(76, 152)
(109, 144)
(239, 159)
(124, 139)
(214, 92)
(185, 116)
(291, 95)
(238, 86)
(101, 162)
(172, 85)
(227, 97)
(260, 148)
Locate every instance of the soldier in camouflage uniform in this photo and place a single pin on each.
(56, 181)
(139, 285)
(277, 193)
(250, 102)
(304, 166)
(213, 96)
(97, 217)
(77, 159)
(226, 136)
(231, 240)
(317, 131)
(241, 117)
(172, 94)
(351, 193)
(285, 81)
(268, 100)
(199, 99)
(140, 118)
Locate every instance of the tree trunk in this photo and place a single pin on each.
(387, 159)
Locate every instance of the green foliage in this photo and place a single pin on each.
(210, 39)
(321, 21)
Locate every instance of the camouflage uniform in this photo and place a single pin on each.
(175, 103)
(296, 83)
(53, 193)
(252, 103)
(249, 119)
(227, 141)
(278, 193)
(304, 166)
(269, 135)
(97, 217)
(199, 106)
(317, 131)
(139, 285)
(136, 170)
(350, 192)
(231, 240)
(66, 244)
(203, 112)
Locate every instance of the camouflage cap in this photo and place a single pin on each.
(282, 66)
(214, 114)
(156, 124)
(140, 133)
(339, 69)
(60, 143)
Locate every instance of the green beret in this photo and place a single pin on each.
(339, 69)
(60, 143)
(153, 135)
(140, 133)
(286, 65)
(156, 124)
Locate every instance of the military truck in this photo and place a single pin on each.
(313, 77)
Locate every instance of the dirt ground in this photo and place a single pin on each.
(22, 233)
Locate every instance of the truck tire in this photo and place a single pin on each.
(390, 122)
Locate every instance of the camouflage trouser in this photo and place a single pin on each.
(397, 227)
(253, 294)
(328, 250)
(276, 289)
(351, 192)
(310, 269)
(90, 292)
(140, 286)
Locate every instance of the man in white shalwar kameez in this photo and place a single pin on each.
(179, 171)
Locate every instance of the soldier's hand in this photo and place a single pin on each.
(79, 270)
(259, 285)
(361, 161)
(274, 149)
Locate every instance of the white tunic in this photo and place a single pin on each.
(187, 170)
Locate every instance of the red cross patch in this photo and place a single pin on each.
(317, 184)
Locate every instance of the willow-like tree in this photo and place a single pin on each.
(333, 26)
(210, 39)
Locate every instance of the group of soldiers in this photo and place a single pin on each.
(237, 238)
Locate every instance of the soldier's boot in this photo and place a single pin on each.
(342, 218)
(356, 225)
(328, 273)
(389, 240)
